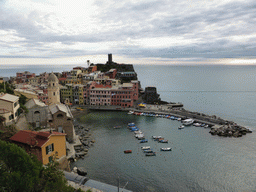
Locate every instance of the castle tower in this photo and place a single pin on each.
(53, 89)
(109, 58)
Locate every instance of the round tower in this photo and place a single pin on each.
(53, 89)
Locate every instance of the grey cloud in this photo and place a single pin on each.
(137, 23)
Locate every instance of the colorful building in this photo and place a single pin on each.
(47, 146)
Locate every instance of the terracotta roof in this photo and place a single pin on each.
(33, 138)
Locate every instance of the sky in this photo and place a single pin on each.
(134, 31)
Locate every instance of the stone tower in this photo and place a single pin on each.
(53, 89)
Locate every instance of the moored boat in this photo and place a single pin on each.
(130, 112)
(156, 137)
(117, 127)
(163, 141)
(166, 149)
(151, 154)
(145, 147)
(128, 151)
(181, 127)
(148, 151)
(188, 122)
(144, 141)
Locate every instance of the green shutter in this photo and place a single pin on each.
(47, 150)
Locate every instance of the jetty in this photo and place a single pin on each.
(218, 126)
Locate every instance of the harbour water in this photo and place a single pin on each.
(198, 161)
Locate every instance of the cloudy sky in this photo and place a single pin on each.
(134, 31)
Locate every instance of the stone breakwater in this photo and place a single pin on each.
(86, 140)
(230, 130)
(219, 126)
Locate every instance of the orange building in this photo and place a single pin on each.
(47, 146)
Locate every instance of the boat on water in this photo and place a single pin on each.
(138, 132)
(187, 122)
(197, 124)
(131, 124)
(181, 127)
(117, 127)
(148, 151)
(163, 141)
(151, 154)
(130, 112)
(166, 149)
(145, 147)
(144, 141)
(128, 151)
(179, 119)
(156, 137)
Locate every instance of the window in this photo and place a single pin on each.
(49, 149)
(36, 112)
(59, 115)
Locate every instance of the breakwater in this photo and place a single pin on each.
(219, 126)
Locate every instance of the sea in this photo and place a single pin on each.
(198, 161)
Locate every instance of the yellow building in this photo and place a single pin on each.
(47, 146)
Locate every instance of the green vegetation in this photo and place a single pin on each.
(6, 88)
(20, 172)
(22, 101)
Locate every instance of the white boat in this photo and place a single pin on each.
(156, 137)
(197, 124)
(145, 147)
(181, 127)
(130, 112)
(179, 119)
(166, 149)
(188, 121)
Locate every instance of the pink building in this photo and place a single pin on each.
(123, 95)
(100, 95)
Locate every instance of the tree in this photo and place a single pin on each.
(20, 172)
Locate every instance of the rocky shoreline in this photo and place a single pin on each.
(86, 140)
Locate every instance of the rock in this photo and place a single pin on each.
(81, 171)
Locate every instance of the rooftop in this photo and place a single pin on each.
(33, 138)
(9, 97)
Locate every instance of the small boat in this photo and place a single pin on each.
(144, 141)
(145, 147)
(179, 119)
(117, 127)
(156, 137)
(172, 118)
(131, 124)
(188, 122)
(130, 112)
(128, 151)
(150, 154)
(159, 139)
(166, 149)
(138, 132)
(197, 124)
(206, 126)
(148, 151)
(163, 141)
(181, 127)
